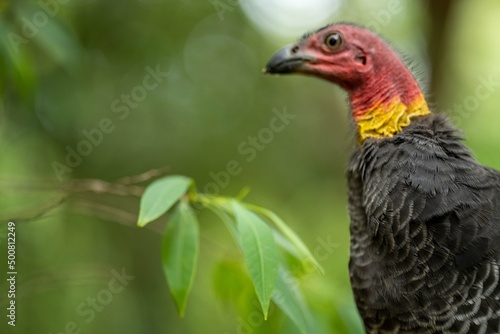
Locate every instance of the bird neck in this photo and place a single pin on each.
(389, 107)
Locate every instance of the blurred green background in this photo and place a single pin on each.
(67, 66)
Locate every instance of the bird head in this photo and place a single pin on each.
(341, 53)
(383, 93)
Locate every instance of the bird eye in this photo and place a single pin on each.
(334, 41)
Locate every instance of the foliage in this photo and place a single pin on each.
(270, 275)
(206, 115)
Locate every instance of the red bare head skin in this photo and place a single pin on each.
(356, 59)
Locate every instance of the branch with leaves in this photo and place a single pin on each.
(258, 232)
(265, 240)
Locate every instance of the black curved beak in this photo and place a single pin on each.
(289, 59)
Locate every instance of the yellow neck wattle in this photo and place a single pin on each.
(389, 119)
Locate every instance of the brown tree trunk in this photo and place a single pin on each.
(440, 13)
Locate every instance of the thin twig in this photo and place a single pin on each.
(104, 212)
(143, 177)
(103, 187)
(109, 213)
(123, 187)
(34, 214)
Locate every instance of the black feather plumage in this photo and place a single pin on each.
(425, 236)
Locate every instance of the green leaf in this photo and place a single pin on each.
(180, 253)
(305, 255)
(290, 257)
(226, 219)
(289, 299)
(260, 251)
(286, 245)
(160, 196)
